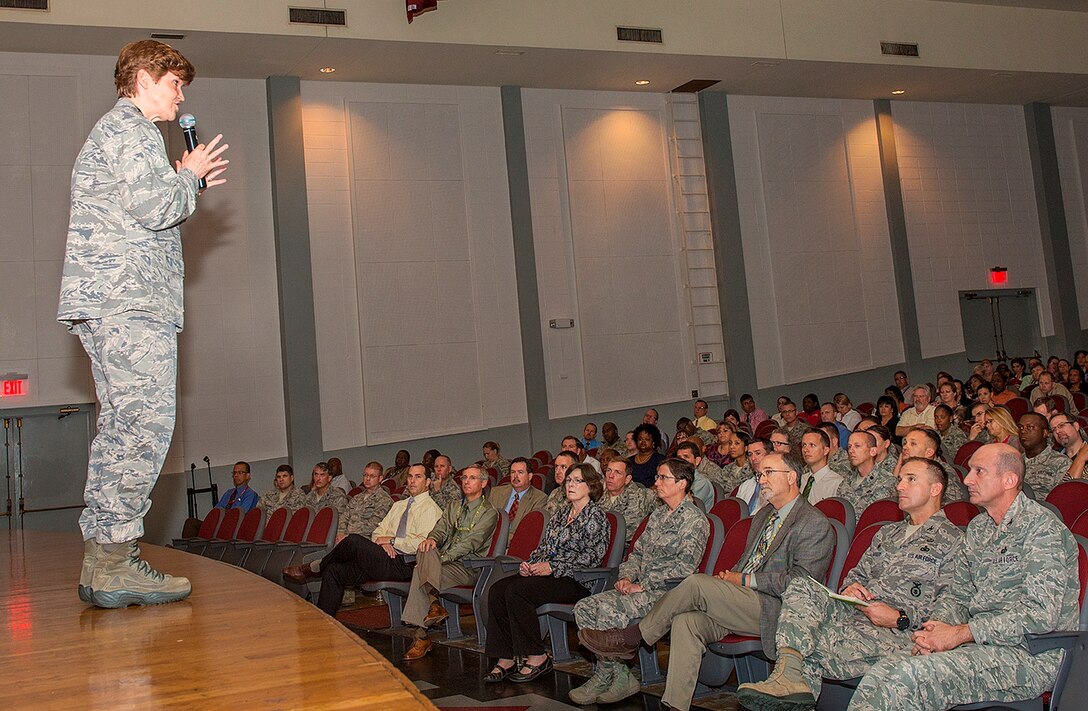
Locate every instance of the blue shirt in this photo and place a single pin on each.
(591, 443)
(244, 498)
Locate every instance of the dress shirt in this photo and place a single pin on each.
(421, 519)
(244, 498)
(824, 486)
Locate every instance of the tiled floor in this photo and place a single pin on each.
(451, 677)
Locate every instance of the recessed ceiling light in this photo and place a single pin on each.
(898, 92)
(1002, 75)
(642, 82)
(764, 63)
(509, 52)
(328, 70)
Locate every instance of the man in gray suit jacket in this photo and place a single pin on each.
(788, 539)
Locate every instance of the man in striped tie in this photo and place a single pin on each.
(788, 538)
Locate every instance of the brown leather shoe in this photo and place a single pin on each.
(299, 573)
(435, 616)
(419, 649)
(609, 644)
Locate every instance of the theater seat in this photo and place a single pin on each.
(452, 598)
(237, 552)
(207, 530)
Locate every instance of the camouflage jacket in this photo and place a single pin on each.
(447, 494)
(633, 503)
(333, 497)
(1044, 471)
(672, 546)
(1014, 578)
(272, 500)
(909, 575)
(839, 462)
(733, 476)
(124, 241)
(364, 512)
(861, 491)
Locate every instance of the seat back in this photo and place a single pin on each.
(543, 456)
(638, 532)
(1080, 401)
(736, 538)
(228, 524)
(1018, 406)
(838, 552)
(1082, 572)
(730, 510)
(862, 538)
(273, 529)
(296, 527)
(713, 542)
(960, 513)
(886, 510)
(322, 530)
(839, 510)
(1080, 526)
(357, 490)
(764, 429)
(1071, 499)
(250, 527)
(210, 523)
(963, 454)
(537, 482)
(613, 552)
(526, 536)
(499, 537)
(866, 408)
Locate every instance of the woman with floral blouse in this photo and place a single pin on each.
(576, 537)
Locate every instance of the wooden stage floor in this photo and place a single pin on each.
(238, 642)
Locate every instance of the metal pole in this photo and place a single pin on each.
(7, 467)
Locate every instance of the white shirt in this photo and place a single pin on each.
(825, 486)
(850, 420)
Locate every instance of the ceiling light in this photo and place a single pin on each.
(509, 52)
(898, 92)
(642, 82)
(764, 63)
(328, 70)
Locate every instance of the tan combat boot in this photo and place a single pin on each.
(121, 579)
(596, 685)
(623, 684)
(785, 689)
(91, 550)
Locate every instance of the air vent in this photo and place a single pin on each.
(317, 16)
(639, 34)
(167, 36)
(25, 4)
(899, 49)
(695, 86)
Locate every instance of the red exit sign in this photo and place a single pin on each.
(13, 388)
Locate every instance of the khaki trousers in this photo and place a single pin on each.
(700, 610)
(431, 575)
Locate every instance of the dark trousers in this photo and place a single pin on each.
(355, 560)
(512, 625)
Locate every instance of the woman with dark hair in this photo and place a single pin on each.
(719, 451)
(1076, 379)
(896, 394)
(970, 388)
(732, 417)
(646, 458)
(576, 537)
(810, 409)
(887, 411)
(1019, 368)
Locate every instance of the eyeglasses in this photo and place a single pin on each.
(474, 478)
(572, 480)
(767, 472)
(780, 443)
(1056, 425)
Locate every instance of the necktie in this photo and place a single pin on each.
(764, 544)
(514, 507)
(402, 527)
(808, 486)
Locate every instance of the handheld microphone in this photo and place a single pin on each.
(188, 130)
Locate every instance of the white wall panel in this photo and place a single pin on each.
(815, 234)
(969, 199)
(418, 330)
(1071, 139)
(608, 251)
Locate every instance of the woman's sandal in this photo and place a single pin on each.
(499, 673)
(534, 671)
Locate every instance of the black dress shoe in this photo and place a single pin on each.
(534, 671)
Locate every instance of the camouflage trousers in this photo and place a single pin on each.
(610, 610)
(834, 639)
(134, 365)
(967, 674)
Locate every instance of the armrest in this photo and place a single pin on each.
(673, 582)
(409, 558)
(475, 562)
(1039, 643)
(590, 575)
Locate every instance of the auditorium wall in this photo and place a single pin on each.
(969, 199)
(1071, 141)
(817, 254)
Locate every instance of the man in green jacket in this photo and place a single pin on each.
(465, 530)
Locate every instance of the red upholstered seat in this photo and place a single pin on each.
(960, 513)
(1071, 498)
(885, 510)
(963, 454)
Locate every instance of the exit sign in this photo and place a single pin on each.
(13, 388)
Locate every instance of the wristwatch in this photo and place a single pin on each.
(903, 622)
